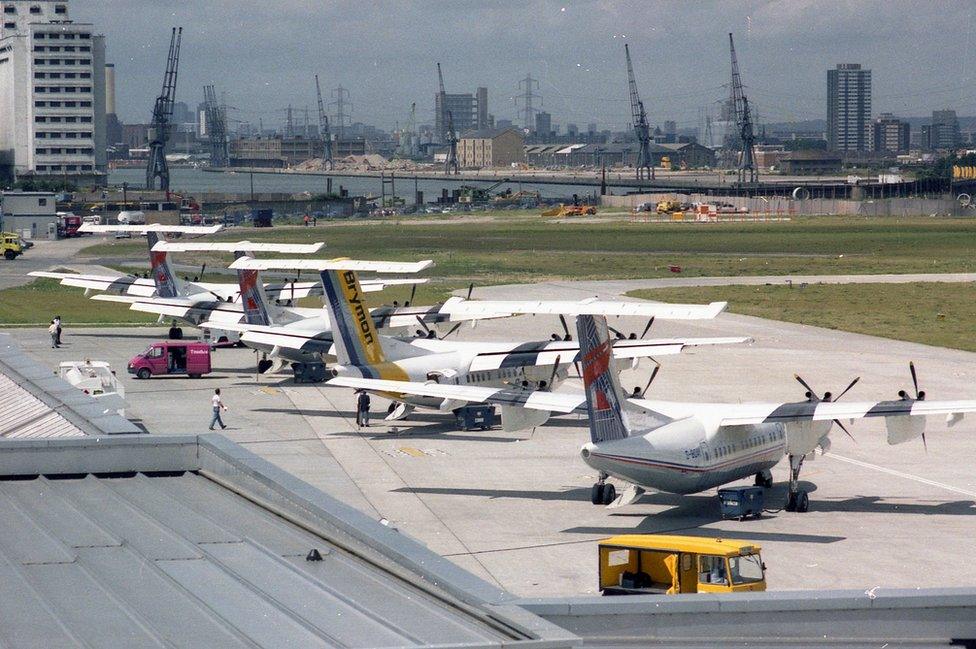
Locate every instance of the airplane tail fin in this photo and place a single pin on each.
(257, 308)
(356, 339)
(604, 398)
(167, 283)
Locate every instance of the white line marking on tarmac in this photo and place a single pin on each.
(901, 474)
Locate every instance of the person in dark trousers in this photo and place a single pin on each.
(57, 323)
(53, 330)
(218, 405)
(362, 409)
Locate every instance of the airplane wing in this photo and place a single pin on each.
(121, 284)
(279, 336)
(219, 312)
(588, 307)
(756, 413)
(298, 290)
(563, 402)
(331, 264)
(545, 353)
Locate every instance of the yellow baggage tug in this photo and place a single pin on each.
(643, 564)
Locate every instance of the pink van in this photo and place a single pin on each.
(172, 357)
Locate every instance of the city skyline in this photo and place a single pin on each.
(388, 59)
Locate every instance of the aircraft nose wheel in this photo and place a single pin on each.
(798, 502)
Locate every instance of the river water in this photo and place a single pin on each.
(191, 180)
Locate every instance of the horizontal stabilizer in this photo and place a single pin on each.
(237, 246)
(247, 263)
(151, 227)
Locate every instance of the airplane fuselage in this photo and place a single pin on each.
(688, 455)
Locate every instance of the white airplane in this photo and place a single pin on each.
(686, 448)
(363, 353)
(269, 329)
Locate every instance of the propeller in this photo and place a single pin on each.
(827, 396)
(413, 293)
(552, 377)
(640, 393)
(632, 336)
(470, 288)
(297, 277)
(919, 396)
(566, 334)
(428, 332)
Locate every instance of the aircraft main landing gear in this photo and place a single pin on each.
(603, 493)
(798, 500)
(764, 479)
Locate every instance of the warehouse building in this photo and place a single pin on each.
(32, 215)
(482, 148)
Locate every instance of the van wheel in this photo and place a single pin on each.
(143, 373)
(175, 333)
(195, 376)
(10, 254)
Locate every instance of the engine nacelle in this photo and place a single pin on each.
(904, 428)
(516, 419)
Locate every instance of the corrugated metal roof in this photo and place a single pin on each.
(143, 561)
(37, 404)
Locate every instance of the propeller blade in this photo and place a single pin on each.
(470, 288)
(562, 320)
(452, 330)
(579, 374)
(203, 269)
(552, 377)
(837, 398)
(657, 368)
(413, 292)
(844, 428)
(423, 324)
(924, 443)
(648, 327)
(911, 368)
(804, 384)
(616, 332)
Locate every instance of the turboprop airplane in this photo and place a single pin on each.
(269, 329)
(363, 353)
(686, 448)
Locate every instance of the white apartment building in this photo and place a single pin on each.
(52, 92)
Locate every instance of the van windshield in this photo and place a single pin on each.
(746, 569)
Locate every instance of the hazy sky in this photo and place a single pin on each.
(263, 55)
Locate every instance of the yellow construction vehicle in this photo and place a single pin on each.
(668, 206)
(11, 245)
(570, 210)
(642, 564)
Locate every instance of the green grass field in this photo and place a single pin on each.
(942, 314)
(520, 248)
(531, 248)
(38, 302)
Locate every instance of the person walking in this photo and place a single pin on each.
(218, 405)
(53, 330)
(362, 409)
(57, 323)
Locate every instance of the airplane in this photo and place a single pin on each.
(686, 448)
(192, 302)
(363, 353)
(269, 330)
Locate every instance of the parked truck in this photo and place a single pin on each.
(11, 245)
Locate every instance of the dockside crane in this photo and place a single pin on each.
(157, 169)
(441, 106)
(216, 128)
(451, 162)
(324, 131)
(748, 170)
(643, 164)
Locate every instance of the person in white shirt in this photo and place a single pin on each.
(53, 330)
(218, 405)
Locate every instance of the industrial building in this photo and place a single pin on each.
(274, 152)
(849, 108)
(491, 148)
(468, 111)
(52, 92)
(33, 215)
(810, 162)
